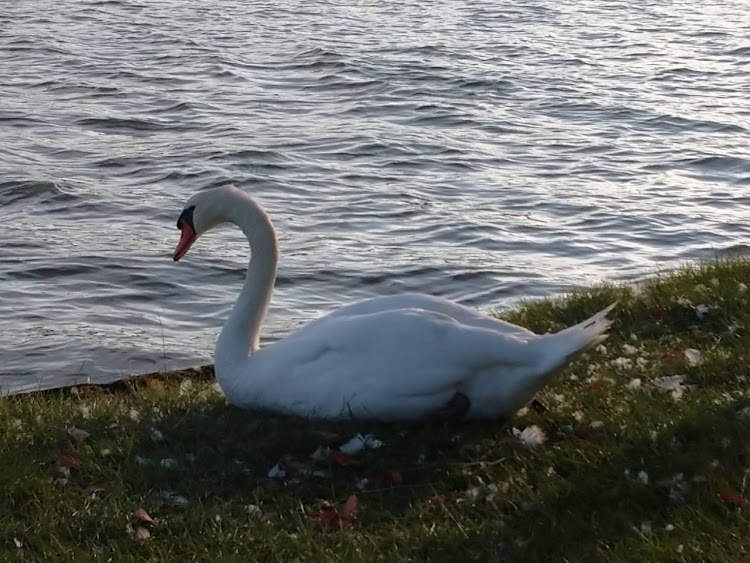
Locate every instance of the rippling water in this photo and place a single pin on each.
(482, 151)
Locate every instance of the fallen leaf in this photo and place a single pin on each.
(674, 384)
(693, 356)
(343, 518)
(359, 443)
(350, 510)
(69, 458)
(329, 518)
(143, 516)
(671, 356)
(77, 436)
(141, 534)
(276, 472)
(733, 498)
(388, 478)
(155, 384)
(531, 436)
(343, 459)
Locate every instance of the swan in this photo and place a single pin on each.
(391, 358)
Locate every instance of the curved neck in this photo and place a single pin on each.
(241, 332)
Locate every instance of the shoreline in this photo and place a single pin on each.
(656, 421)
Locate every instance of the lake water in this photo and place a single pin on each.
(484, 151)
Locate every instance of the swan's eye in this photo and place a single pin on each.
(186, 217)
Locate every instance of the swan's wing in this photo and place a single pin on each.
(386, 355)
(460, 313)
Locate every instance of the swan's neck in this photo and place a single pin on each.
(241, 332)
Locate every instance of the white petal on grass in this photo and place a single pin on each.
(634, 384)
(361, 484)
(629, 350)
(105, 452)
(578, 415)
(169, 463)
(622, 363)
(141, 534)
(522, 412)
(134, 415)
(674, 384)
(602, 349)
(18, 543)
(597, 424)
(142, 460)
(253, 509)
(531, 436)
(641, 362)
(185, 386)
(156, 435)
(359, 443)
(700, 311)
(693, 356)
(276, 472)
(741, 287)
(715, 282)
(646, 528)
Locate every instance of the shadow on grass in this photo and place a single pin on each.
(569, 500)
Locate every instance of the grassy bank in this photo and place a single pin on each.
(644, 456)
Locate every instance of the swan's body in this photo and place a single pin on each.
(398, 357)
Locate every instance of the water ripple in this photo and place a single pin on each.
(482, 152)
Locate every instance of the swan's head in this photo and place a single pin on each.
(204, 211)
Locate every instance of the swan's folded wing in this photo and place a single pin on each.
(413, 350)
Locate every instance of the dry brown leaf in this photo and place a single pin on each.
(350, 511)
(143, 516)
(68, 458)
(733, 498)
(340, 519)
(155, 384)
(77, 436)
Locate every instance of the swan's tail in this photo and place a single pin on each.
(580, 337)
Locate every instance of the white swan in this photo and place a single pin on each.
(388, 358)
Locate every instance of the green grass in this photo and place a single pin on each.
(470, 492)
